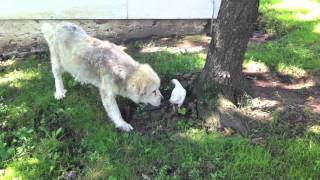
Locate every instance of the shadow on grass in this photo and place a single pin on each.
(52, 138)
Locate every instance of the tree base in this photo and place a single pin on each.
(219, 112)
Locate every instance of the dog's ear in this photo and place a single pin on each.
(138, 85)
(142, 80)
(140, 88)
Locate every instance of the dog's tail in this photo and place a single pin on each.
(47, 30)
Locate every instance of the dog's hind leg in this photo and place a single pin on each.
(57, 71)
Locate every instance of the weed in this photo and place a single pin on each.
(182, 110)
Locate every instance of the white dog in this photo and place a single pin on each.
(103, 64)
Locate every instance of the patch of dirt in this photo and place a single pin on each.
(155, 120)
(297, 99)
(295, 92)
(174, 44)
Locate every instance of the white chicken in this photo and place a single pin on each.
(178, 94)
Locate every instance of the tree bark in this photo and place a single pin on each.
(222, 73)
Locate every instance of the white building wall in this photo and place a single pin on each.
(108, 9)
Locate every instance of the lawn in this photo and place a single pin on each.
(42, 138)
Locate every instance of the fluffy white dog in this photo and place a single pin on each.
(103, 64)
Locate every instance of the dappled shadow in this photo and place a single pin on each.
(286, 101)
(284, 89)
(293, 102)
(162, 145)
(173, 44)
(282, 117)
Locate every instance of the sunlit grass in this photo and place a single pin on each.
(317, 29)
(314, 129)
(295, 53)
(165, 62)
(292, 70)
(23, 168)
(305, 10)
(13, 79)
(255, 66)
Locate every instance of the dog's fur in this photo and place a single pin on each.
(103, 64)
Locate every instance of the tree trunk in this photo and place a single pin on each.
(222, 73)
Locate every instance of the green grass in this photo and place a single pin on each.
(41, 138)
(296, 50)
(165, 62)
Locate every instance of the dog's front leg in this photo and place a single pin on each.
(57, 71)
(110, 104)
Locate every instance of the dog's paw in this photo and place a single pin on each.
(60, 94)
(125, 127)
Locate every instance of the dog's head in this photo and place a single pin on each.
(144, 85)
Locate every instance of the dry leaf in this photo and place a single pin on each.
(228, 131)
(259, 141)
